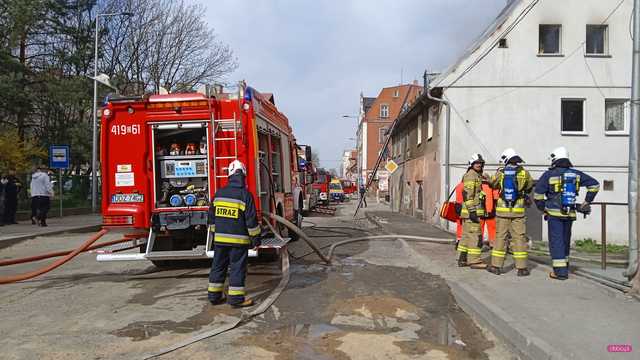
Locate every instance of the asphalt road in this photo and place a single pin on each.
(369, 305)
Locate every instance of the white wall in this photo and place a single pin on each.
(512, 98)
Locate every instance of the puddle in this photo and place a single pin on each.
(143, 330)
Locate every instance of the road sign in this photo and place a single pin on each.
(59, 157)
(391, 166)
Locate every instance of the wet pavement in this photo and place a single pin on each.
(368, 305)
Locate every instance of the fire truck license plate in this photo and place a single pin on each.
(127, 198)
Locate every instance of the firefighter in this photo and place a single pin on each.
(514, 183)
(232, 219)
(556, 193)
(472, 210)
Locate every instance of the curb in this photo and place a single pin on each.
(522, 341)
(7, 242)
(502, 324)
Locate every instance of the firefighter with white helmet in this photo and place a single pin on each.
(233, 220)
(556, 193)
(472, 210)
(514, 183)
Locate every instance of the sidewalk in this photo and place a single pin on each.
(13, 234)
(538, 317)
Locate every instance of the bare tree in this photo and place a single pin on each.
(164, 44)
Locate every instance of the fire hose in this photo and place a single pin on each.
(68, 255)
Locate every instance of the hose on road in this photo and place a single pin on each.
(60, 253)
(20, 277)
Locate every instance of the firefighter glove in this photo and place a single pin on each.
(585, 208)
(256, 241)
(473, 216)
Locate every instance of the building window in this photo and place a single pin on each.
(550, 39)
(396, 93)
(384, 111)
(573, 116)
(419, 129)
(597, 41)
(616, 117)
(382, 137)
(607, 185)
(420, 197)
(502, 43)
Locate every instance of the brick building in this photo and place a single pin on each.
(376, 116)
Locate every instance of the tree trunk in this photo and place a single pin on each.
(21, 116)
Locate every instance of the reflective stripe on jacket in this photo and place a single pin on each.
(232, 216)
(525, 184)
(472, 194)
(548, 191)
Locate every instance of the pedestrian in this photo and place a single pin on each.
(233, 220)
(514, 183)
(473, 209)
(363, 195)
(41, 193)
(12, 189)
(556, 193)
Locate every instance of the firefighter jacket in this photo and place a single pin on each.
(232, 216)
(524, 185)
(548, 191)
(472, 194)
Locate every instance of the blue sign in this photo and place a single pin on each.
(59, 157)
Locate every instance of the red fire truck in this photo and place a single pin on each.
(164, 156)
(321, 184)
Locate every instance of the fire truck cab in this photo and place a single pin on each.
(164, 156)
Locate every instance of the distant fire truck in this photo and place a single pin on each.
(164, 156)
(321, 184)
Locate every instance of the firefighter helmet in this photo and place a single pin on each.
(235, 166)
(510, 154)
(559, 153)
(476, 158)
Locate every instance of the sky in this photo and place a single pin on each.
(317, 56)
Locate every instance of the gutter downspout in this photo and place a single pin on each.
(447, 142)
(632, 270)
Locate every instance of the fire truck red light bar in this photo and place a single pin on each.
(117, 220)
(175, 104)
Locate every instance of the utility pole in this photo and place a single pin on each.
(634, 137)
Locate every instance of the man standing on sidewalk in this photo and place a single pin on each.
(12, 189)
(41, 193)
(363, 194)
(473, 209)
(556, 194)
(515, 184)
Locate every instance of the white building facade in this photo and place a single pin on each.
(546, 74)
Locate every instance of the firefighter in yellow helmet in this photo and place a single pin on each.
(514, 183)
(472, 210)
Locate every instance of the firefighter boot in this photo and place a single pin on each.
(524, 272)
(245, 303)
(494, 270)
(462, 260)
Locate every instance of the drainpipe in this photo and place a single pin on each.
(447, 142)
(632, 270)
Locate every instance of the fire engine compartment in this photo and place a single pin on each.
(181, 176)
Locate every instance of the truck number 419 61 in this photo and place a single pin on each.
(125, 129)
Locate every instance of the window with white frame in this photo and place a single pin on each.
(396, 93)
(573, 116)
(382, 137)
(550, 39)
(616, 116)
(384, 111)
(597, 40)
(419, 141)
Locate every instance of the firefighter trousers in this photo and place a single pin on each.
(233, 259)
(516, 227)
(471, 241)
(559, 244)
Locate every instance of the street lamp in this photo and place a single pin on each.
(94, 150)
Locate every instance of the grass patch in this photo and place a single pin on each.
(590, 246)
